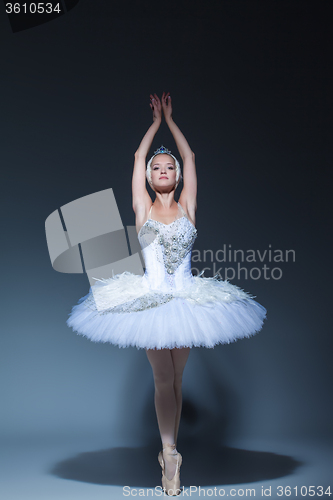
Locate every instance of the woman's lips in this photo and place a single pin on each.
(164, 177)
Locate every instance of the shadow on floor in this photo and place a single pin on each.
(203, 465)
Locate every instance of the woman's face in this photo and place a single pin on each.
(163, 171)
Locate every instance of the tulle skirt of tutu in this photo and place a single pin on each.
(205, 314)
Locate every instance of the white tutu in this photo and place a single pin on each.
(167, 307)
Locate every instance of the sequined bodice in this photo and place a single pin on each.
(166, 249)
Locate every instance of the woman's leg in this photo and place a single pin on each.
(165, 399)
(179, 358)
(168, 366)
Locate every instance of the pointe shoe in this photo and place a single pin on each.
(171, 486)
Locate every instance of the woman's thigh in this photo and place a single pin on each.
(179, 359)
(162, 364)
(168, 363)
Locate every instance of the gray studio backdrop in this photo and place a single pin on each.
(75, 107)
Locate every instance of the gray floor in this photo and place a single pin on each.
(84, 468)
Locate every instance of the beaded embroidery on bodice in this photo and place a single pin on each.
(167, 251)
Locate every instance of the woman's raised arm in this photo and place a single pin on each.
(189, 191)
(139, 192)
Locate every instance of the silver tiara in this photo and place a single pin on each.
(162, 150)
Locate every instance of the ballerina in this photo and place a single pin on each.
(167, 311)
(163, 175)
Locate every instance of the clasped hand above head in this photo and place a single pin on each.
(157, 105)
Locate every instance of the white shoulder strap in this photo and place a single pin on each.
(182, 210)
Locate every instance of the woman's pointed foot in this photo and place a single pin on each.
(170, 461)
